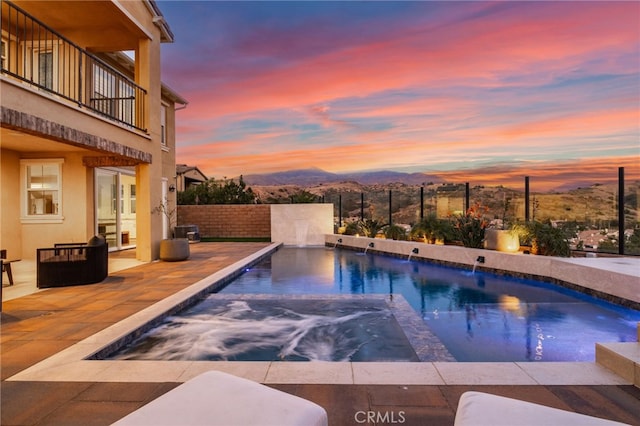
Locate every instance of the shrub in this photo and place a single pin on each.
(469, 228)
(430, 229)
(370, 228)
(352, 228)
(544, 238)
(395, 232)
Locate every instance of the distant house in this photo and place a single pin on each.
(187, 176)
(87, 127)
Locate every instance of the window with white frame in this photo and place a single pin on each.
(126, 102)
(40, 63)
(3, 53)
(163, 125)
(104, 90)
(132, 194)
(45, 69)
(41, 190)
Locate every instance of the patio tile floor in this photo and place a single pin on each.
(41, 324)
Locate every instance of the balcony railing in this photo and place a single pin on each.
(38, 55)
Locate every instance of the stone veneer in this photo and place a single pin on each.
(51, 130)
(228, 220)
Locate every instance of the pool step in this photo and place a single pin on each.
(621, 358)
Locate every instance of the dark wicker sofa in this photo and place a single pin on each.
(67, 264)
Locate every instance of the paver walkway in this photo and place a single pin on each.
(37, 326)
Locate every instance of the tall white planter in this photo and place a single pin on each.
(501, 240)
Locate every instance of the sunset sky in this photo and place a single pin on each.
(470, 90)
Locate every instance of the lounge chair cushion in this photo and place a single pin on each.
(216, 398)
(483, 409)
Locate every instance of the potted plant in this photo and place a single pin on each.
(171, 249)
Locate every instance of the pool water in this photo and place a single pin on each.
(263, 328)
(478, 316)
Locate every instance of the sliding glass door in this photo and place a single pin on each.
(116, 206)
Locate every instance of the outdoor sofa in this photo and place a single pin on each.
(67, 264)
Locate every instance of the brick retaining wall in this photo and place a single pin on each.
(228, 220)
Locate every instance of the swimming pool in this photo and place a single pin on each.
(477, 316)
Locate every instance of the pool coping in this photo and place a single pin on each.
(586, 275)
(72, 364)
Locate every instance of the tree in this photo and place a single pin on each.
(304, 197)
(218, 192)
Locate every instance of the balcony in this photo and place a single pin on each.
(39, 56)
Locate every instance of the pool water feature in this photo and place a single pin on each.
(273, 328)
(462, 315)
(478, 316)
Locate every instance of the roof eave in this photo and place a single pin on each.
(160, 22)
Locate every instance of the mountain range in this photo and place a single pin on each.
(315, 176)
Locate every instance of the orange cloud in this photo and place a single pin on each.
(545, 176)
(500, 83)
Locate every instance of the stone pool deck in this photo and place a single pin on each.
(45, 381)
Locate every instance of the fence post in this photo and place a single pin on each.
(390, 208)
(526, 198)
(466, 197)
(620, 210)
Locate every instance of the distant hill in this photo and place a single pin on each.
(302, 177)
(315, 176)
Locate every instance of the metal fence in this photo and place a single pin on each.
(597, 215)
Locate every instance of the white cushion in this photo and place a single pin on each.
(216, 398)
(482, 409)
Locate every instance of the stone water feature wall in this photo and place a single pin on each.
(290, 224)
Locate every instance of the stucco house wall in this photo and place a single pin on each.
(37, 124)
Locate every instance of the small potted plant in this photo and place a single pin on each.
(171, 249)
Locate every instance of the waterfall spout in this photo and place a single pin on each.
(414, 251)
(479, 259)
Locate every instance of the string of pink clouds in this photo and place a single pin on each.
(463, 89)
